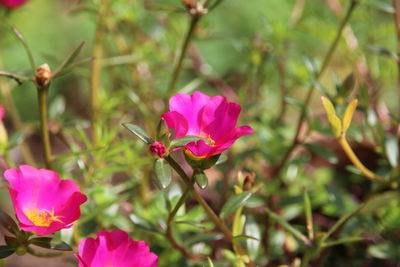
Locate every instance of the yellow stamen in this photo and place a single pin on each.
(42, 217)
(208, 137)
(192, 156)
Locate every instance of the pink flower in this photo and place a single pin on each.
(12, 3)
(212, 118)
(2, 111)
(159, 149)
(42, 201)
(114, 249)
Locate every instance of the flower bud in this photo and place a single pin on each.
(159, 149)
(249, 181)
(189, 4)
(43, 75)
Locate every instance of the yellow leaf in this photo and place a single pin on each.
(348, 115)
(334, 120)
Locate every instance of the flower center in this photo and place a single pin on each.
(210, 142)
(42, 217)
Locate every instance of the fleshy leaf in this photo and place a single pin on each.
(184, 140)
(348, 114)
(201, 179)
(50, 243)
(234, 203)
(334, 120)
(8, 223)
(6, 251)
(163, 172)
(139, 132)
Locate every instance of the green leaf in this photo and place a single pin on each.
(11, 241)
(8, 223)
(308, 213)
(68, 61)
(16, 139)
(139, 132)
(348, 114)
(245, 237)
(343, 241)
(296, 233)
(392, 150)
(27, 49)
(323, 152)
(183, 141)
(163, 172)
(50, 243)
(6, 251)
(143, 223)
(234, 203)
(201, 178)
(334, 120)
(210, 263)
(222, 159)
(192, 223)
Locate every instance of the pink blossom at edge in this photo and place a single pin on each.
(210, 117)
(43, 202)
(12, 3)
(115, 249)
(2, 112)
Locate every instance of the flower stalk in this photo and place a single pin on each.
(296, 139)
(213, 216)
(97, 55)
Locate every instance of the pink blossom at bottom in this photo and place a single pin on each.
(114, 249)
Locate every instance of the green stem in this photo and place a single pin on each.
(213, 216)
(296, 140)
(177, 70)
(170, 220)
(357, 163)
(97, 55)
(42, 254)
(43, 94)
(10, 162)
(307, 257)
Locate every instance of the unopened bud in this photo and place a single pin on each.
(43, 75)
(159, 149)
(189, 4)
(249, 181)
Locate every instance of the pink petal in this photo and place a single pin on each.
(12, 3)
(176, 121)
(190, 106)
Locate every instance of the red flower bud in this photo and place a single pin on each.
(159, 149)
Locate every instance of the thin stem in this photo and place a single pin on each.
(397, 25)
(213, 216)
(307, 257)
(43, 94)
(170, 220)
(27, 49)
(15, 119)
(357, 163)
(97, 54)
(8, 159)
(296, 140)
(177, 70)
